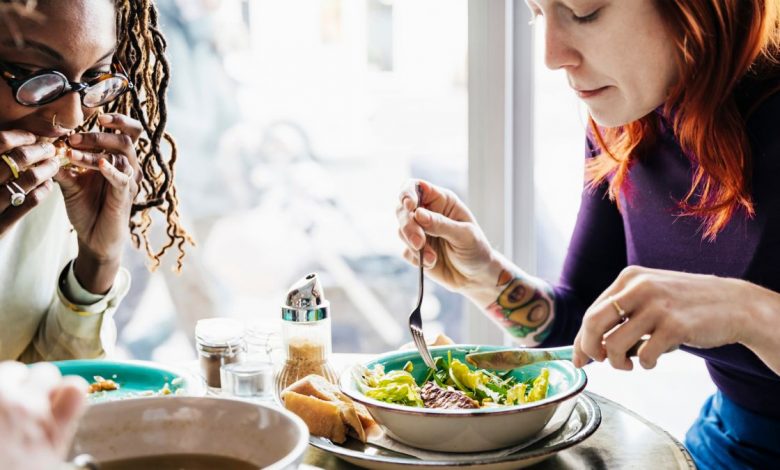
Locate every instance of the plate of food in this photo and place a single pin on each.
(476, 410)
(393, 411)
(581, 423)
(117, 380)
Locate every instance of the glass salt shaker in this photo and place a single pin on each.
(306, 334)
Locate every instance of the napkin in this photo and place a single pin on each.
(377, 437)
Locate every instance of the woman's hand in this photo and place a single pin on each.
(99, 202)
(456, 252)
(35, 166)
(39, 411)
(674, 308)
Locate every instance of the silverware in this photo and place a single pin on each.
(507, 359)
(415, 319)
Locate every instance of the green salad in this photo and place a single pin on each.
(448, 384)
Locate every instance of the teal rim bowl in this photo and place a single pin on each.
(134, 377)
(566, 381)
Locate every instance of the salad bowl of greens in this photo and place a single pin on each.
(457, 408)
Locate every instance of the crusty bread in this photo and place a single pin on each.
(316, 386)
(324, 418)
(353, 416)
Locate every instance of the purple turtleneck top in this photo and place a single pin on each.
(649, 233)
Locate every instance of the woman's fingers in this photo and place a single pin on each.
(438, 225)
(413, 257)
(433, 198)
(124, 124)
(89, 148)
(598, 320)
(113, 143)
(10, 214)
(409, 192)
(17, 160)
(627, 334)
(15, 138)
(122, 182)
(410, 231)
(34, 176)
(579, 358)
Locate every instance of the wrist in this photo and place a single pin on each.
(757, 328)
(95, 273)
(485, 288)
(753, 327)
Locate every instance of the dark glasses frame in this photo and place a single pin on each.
(13, 77)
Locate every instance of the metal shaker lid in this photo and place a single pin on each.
(305, 301)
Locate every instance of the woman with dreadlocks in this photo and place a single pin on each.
(82, 122)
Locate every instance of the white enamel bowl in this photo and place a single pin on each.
(467, 430)
(270, 438)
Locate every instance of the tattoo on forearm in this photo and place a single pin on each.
(521, 309)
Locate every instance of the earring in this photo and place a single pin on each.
(54, 120)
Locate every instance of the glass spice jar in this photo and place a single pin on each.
(306, 334)
(219, 341)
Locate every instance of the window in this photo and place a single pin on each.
(335, 103)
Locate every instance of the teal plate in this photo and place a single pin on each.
(136, 379)
(564, 382)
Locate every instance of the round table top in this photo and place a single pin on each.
(624, 440)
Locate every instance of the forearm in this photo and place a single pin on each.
(761, 328)
(520, 303)
(94, 273)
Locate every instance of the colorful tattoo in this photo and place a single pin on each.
(520, 309)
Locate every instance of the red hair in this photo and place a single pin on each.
(719, 42)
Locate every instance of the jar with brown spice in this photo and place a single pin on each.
(306, 334)
(219, 341)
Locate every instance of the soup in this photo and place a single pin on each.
(179, 462)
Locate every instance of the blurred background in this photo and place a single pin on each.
(297, 122)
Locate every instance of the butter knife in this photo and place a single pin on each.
(507, 359)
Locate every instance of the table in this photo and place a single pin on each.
(624, 440)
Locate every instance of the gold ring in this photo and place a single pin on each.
(11, 164)
(621, 313)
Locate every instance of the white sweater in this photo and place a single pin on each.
(44, 313)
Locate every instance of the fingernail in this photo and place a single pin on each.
(423, 216)
(105, 118)
(416, 241)
(428, 258)
(75, 139)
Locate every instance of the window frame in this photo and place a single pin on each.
(501, 148)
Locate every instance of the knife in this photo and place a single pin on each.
(507, 359)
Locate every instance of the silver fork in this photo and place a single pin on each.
(415, 319)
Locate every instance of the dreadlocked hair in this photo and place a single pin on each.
(141, 49)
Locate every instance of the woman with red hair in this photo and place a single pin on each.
(678, 234)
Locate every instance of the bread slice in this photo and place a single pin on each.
(316, 386)
(324, 418)
(353, 415)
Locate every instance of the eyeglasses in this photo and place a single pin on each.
(45, 86)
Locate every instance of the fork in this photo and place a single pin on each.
(415, 319)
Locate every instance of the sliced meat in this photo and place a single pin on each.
(436, 397)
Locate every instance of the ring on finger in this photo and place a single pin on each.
(17, 196)
(618, 309)
(11, 165)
